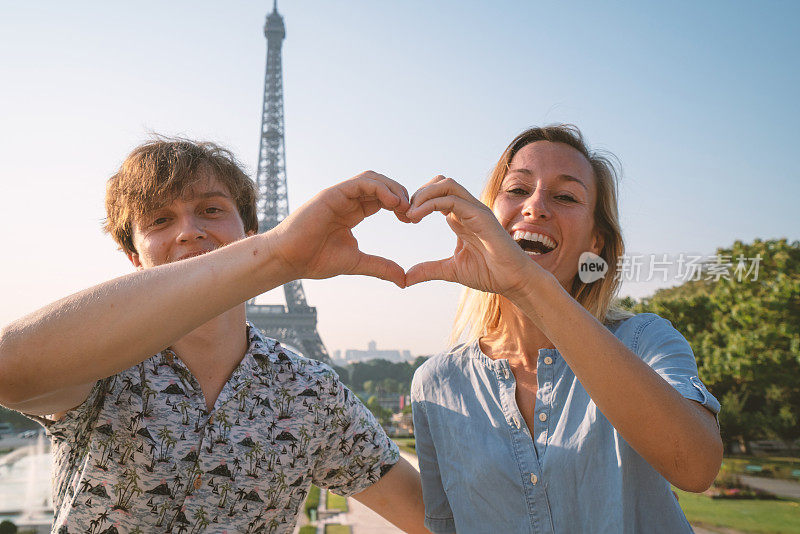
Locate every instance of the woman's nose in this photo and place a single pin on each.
(537, 205)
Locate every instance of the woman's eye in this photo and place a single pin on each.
(568, 198)
(517, 191)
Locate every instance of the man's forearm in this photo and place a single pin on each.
(107, 328)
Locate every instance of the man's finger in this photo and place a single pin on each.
(396, 188)
(378, 267)
(366, 188)
(431, 270)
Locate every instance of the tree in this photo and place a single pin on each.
(745, 332)
(368, 386)
(7, 527)
(381, 414)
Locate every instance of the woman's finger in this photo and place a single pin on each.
(435, 179)
(444, 187)
(461, 208)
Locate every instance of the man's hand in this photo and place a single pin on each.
(316, 241)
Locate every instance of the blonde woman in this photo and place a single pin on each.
(559, 413)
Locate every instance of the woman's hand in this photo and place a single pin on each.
(316, 241)
(486, 257)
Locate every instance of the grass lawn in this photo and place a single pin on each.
(308, 529)
(333, 528)
(768, 517)
(406, 444)
(312, 501)
(336, 502)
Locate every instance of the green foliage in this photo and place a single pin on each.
(7, 527)
(407, 444)
(334, 528)
(308, 529)
(746, 337)
(381, 414)
(380, 376)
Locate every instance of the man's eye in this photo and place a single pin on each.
(212, 210)
(159, 221)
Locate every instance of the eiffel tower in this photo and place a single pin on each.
(296, 323)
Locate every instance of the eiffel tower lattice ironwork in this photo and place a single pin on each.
(296, 323)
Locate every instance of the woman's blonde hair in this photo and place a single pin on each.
(479, 312)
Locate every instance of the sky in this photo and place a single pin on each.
(697, 100)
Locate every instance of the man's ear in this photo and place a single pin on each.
(133, 257)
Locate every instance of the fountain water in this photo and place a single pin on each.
(25, 487)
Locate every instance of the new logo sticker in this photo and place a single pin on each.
(591, 267)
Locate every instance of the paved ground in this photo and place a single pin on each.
(365, 521)
(715, 530)
(781, 488)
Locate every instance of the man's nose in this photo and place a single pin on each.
(191, 228)
(537, 205)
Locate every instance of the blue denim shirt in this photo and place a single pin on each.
(483, 471)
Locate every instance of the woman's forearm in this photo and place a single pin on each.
(677, 436)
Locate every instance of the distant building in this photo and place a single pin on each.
(403, 424)
(372, 353)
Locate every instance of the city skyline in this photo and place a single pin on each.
(695, 100)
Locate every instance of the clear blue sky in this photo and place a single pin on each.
(698, 100)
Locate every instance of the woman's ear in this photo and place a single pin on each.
(597, 242)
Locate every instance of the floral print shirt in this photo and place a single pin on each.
(143, 454)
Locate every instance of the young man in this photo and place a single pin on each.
(167, 411)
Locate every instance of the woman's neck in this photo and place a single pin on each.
(515, 338)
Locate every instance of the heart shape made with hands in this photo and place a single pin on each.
(485, 256)
(405, 245)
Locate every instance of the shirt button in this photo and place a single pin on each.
(542, 417)
(505, 373)
(548, 360)
(534, 479)
(516, 422)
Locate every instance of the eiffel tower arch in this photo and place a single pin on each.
(294, 324)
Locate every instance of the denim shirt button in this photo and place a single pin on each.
(505, 373)
(534, 479)
(516, 422)
(542, 417)
(548, 360)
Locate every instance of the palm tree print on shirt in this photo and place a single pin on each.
(143, 452)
